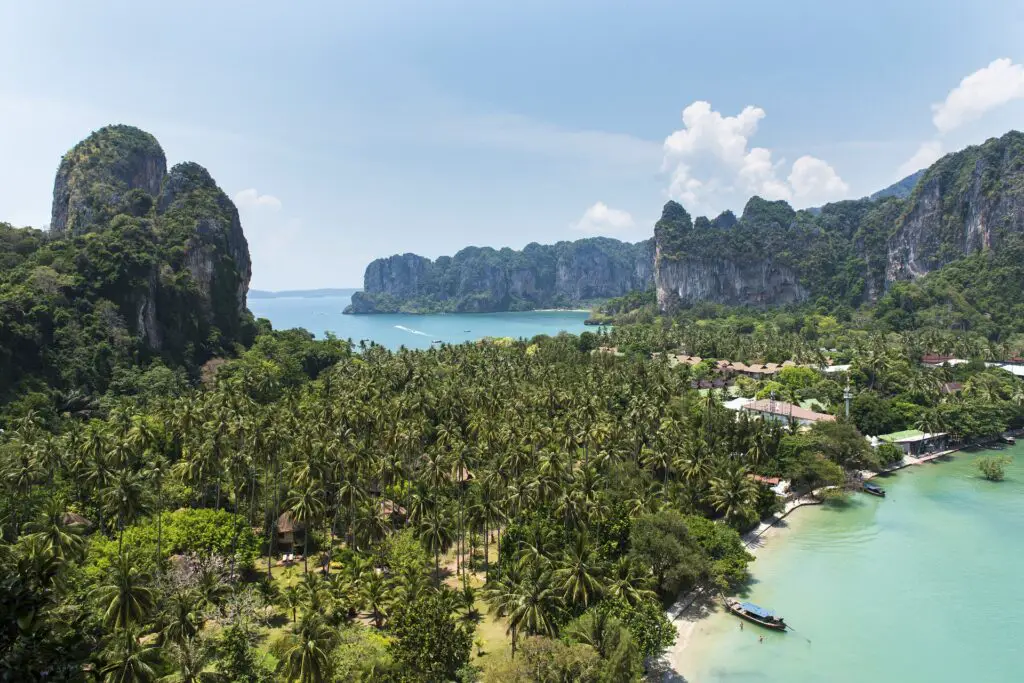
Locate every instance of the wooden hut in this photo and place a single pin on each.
(74, 519)
(289, 530)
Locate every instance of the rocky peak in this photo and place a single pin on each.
(201, 265)
(117, 169)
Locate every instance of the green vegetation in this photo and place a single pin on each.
(993, 468)
(545, 499)
(477, 280)
(133, 282)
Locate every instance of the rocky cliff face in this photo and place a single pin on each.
(200, 267)
(707, 260)
(966, 202)
(760, 283)
(483, 280)
(851, 251)
(97, 177)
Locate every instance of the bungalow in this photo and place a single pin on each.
(913, 441)
(289, 530)
(935, 360)
(778, 485)
(784, 412)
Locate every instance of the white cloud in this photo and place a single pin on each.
(712, 167)
(990, 87)
(600, 219)
(813, 181)
(1000, 82)
(251, 199)
(927, 154)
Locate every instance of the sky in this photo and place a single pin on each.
(348, 131)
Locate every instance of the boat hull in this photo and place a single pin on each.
(742, 614)
(880, 494)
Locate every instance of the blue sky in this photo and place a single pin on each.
(352, 130)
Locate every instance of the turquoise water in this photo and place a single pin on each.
(323, 314)
(924, 585)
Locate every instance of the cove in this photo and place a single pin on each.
(924, 585)
(320, 315)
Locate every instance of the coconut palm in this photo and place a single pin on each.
(308, 659)
(733, 493)
(126, 598)
(129, 661)
(579, 574)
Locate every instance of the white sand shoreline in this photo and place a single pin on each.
(687, 613)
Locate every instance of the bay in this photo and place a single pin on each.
(322, 314)
(923, 585)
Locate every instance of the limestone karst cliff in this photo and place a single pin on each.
(478, 280)
(194, 283)
(846, 252)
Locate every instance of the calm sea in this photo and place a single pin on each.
(923, 585)
(323, 314)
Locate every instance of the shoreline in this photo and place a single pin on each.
(691, 610)
(687, 613)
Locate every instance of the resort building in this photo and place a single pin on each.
(779, 486)
(785, 412)
(912, 441)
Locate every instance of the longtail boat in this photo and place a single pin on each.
(874, 489)
(756, 614)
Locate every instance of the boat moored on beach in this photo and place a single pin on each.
(1007, 439)
(873, 489)
(756, 614)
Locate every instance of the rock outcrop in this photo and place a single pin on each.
(966, 202)
(478, 280)
(112, 171)
(116, 180)
(843, 253)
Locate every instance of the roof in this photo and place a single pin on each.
(952, 387)
(757, 610)
(908, 436)
(771, 481)
(286, 523)
(74, 519)
(783, 409)
(736, 403)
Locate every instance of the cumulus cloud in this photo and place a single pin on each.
(712, 166)
(251, 199)
(1000, 82)
(992, 86)
(926, 155)
(812, 178)
(600, 219)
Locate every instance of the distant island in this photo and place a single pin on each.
(300, 293)
(845, 253)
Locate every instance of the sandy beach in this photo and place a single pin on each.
(690, 614)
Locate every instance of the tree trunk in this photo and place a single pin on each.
(305, 551)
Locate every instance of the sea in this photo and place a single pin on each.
(322, 314)
(923, 585)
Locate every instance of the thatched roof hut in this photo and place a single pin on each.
(287, 524)
(74, 519)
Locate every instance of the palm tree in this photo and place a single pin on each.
(733, 493)
(61, 539)
(126, 499)
(128, 661)
(374, 593)
(437, 537)
(537, 603)
(630, 582)
(126, 598)
(190, 660)
(307, 506)
(580, 574)
(308, 660)
(181, 619)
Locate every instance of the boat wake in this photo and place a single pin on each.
(411, 331)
